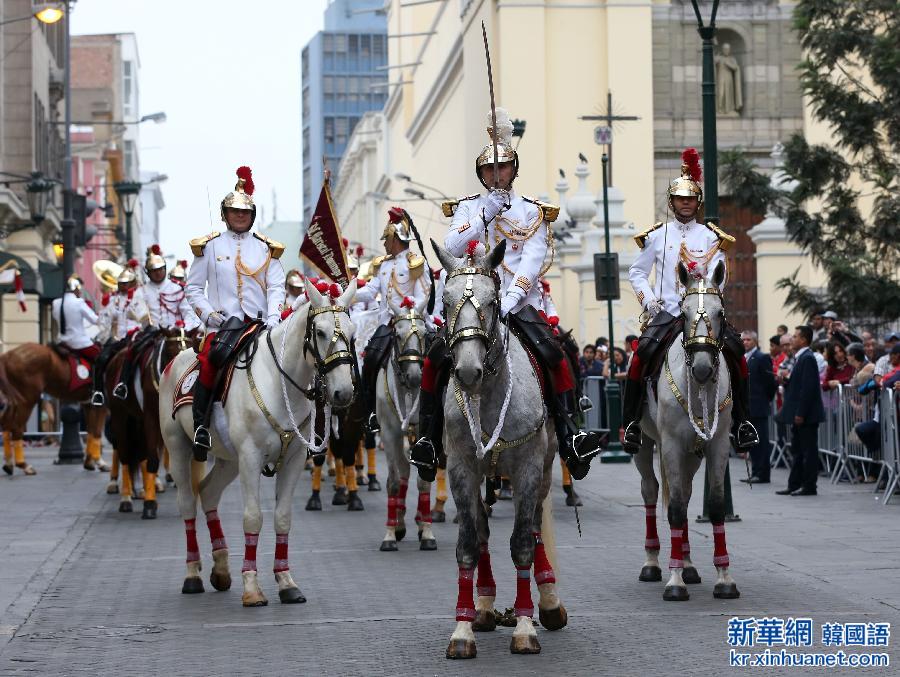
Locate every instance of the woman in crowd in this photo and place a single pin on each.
(588, 362)
(839, 370)
(617, 367)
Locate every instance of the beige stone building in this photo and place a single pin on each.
(554, 61)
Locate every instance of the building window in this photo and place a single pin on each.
(128, 88)
(130, 160)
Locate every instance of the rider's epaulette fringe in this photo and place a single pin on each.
(199, 243)
(548, 211)
(725, 240)
(416, 265)
(641, 238)
(274, 246)
(449, 207)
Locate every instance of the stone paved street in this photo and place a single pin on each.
(87, 590)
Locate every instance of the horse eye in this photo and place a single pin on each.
(320, 333)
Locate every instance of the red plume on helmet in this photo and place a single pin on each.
(132, 263)
(183, 263)
(691, 158)
(345, 242)
(407, 303)
(396, 214)
(360, 250)
(155, 249)
(246, 174)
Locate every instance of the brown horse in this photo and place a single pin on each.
(25, 373)
(134, 421)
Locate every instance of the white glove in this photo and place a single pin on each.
(214, 320)
(272, 321)
(508, 302)
(496, 202)
(654, 306)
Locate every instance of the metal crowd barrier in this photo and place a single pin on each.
(594, 389)
(854, 455)
(890, 444)
(831, 432)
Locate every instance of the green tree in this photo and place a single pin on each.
(851, 76)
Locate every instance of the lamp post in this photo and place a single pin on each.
(708, 89)
(45, 12)
(127, 192)
(38, 192)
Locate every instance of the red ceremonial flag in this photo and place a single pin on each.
(323, 244)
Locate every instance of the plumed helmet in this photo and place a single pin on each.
(74, 283)
(242, 195)
(399, 225)
(179, 272)
(295, 279)
(505, 150)
(688, 184)
(129, 272)
(155, 259)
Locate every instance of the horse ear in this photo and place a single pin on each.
(346, 297)
(683, 276)
(314, 296)
(718, 276)
(448, 261)
(495, 257)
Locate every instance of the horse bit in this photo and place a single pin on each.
(455, 335)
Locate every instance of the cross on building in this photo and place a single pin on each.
(609, 118)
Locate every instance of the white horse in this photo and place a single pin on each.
(690, 421)
(495, 424)
(267, 419)
(397, 408)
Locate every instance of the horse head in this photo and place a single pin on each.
(329, 340)
(472, 306)
(408, 341)
(704, 320)
(175, 340)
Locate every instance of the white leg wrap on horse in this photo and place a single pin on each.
(675, 578)
(463, 631)
(524, 627)
(549, 596)
(652, 558)
(723, 576)
(426, 531)
(389, 535)
(284, 580)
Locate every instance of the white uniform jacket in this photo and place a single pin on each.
(167, 303)
(77, 314)
(523, 226)
(394, 277)
(662, 247)
(122, 315)
(236, 274)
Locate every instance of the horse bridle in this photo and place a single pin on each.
(180, 338)
(692, 341)
(333, 357)
(489, 336)
(401, 352)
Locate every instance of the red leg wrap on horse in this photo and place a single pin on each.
(676, 561)
(215, 530)
(193, 550)
(429, 376)
(486, 585)
(543, 572)
(281, 553)
(465, 603)
(652, 540)
(250, 541)
(392, 510)
(523, 604)
(562, 377)
(423, 513)
(720, 552)
(685, 544)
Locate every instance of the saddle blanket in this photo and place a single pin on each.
(79, 372)
(184, 389)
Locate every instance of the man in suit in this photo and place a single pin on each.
(803, 410)
(762, 390)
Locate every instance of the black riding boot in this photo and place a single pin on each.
(424, 453)
(120, 392)
(202, 440)
(577, 447)
(97, 397)
(745, 435)
(631, 409)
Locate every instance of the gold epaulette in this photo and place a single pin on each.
(641, 238)
(416, 265)
(449, 207)
(376, 264)
(276, 247)
(199, 243)
(725, 240)
(548, 211)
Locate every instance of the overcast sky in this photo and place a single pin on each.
(227, 75)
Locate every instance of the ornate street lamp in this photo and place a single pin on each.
(127, 192)
(38, 192)
(708, 89)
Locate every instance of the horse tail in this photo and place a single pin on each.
(548, 535)
(664, 481)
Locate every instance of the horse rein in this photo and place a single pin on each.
(333, 357)
(401, 352)
(692, 341)
(489, 336)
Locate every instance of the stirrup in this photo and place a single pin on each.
(97, 399)
(632, 439)
(747, 436)
(202, 439)
(585, 404)
(120, 392)
(372, 424)
(423, 456)
(584, 445)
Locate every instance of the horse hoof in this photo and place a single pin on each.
(690, 576)
(149, 511)
(374, 484)
(461, 648)
(314, 503)
(573, 500)
(485, 621)
(400, 533)
(428, 544)
(125, 506)
(389, 546)
(291, 596)
(26, 469)
(525, 644)
(354, 502)
(726, 591)
(340, 497)
(676, 593)
(251, 599)
(88, 464)
(650, 574)
(553, 619)
(8, 469)
(169, 478)
(112, 487)
(102, 466)
(438, 516)
(192, 585)
(220, 581)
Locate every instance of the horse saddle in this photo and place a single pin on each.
(533, 330)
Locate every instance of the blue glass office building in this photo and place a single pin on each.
(340, 82)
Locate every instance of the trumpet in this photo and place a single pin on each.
(107, 273)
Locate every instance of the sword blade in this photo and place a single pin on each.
(487, 56)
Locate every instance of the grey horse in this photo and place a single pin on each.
(694, 384)
(495, 424)
(397, 407)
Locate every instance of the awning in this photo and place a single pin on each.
(51, 276)
(31, 283)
